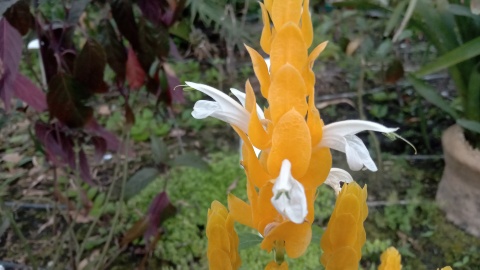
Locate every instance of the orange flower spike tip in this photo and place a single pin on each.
(266, 37)
(390, 260)
(286, 91)
(288, 46)
(256, 131)
(307, 27)
(275, 266)
(261, 70)
(290, 141)
(316, 52)
(222, 250)
(345, 235)
(286, 11)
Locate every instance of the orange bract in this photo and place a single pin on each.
(289, 129)
(391, 260)
(223, 241)
(345, 235)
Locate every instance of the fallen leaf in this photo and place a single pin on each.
(12, 158)
(353, 45)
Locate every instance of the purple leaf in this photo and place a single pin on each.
(114, 49)
(90, 65)
(152, 10)
(160, 209)
(19, 16)
(113, 143)
(84, 168)
(174, 50)
(10, 54)
(28, 92)
(122, 11)
(45, 134)
(100, 145)
(66, 99)
(174, 89)
(59, 147)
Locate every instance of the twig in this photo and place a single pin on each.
(387, 203)
(41, 206)
(118, 208)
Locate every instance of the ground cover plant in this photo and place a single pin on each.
(143, 202)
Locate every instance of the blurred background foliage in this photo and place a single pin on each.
(142, 202)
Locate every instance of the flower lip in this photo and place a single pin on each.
(223, 107)
(289, 195)
(341, 137)
(336, 177)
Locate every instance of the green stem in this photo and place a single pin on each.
(279, 252)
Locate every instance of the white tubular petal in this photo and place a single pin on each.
(226, 108)
(335, 177)
(267, 61)
(289, 195)
(242, 97)
(350, 127)
(257, 151)
(334, 142)
(203, 109)
(358, 155)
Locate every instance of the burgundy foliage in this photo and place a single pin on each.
(11, 44)
(160, 209)
(76, 75)
(27, 91)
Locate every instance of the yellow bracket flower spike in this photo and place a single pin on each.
(286, 11)
(266, 37)
(261, 70)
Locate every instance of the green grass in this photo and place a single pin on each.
(418, 230)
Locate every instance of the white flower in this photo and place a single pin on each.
(289, 195)
(337, 176)
(224, 107)
(341, 137)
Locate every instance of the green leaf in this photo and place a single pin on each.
(431, 95)
(395, 17)
(189, 160)
(138, 181)
(472, 96)
(469, 124)
(159, 150)
(460, 10)
(455, 56)
(248, 240)
(317, 233)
